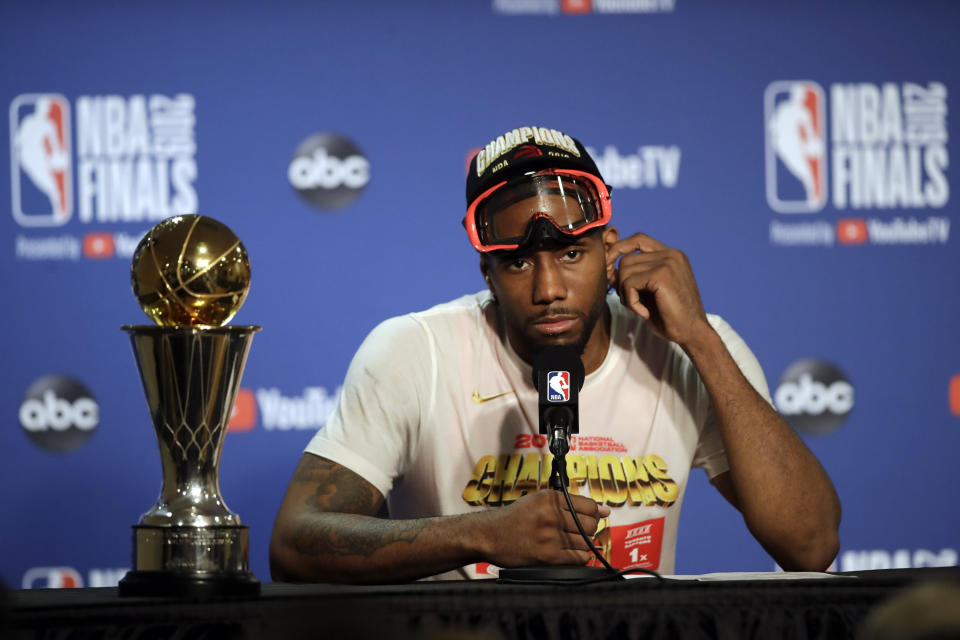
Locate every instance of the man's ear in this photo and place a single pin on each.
(610, 237)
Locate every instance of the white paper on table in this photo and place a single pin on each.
(748, 575)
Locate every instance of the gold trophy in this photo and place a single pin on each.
(190, 274)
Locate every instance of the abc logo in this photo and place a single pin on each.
(328, 171)
(814, 396)
(59, 413)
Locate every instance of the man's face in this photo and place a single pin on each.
(551, 293)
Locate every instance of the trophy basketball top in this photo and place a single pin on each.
(190, 271)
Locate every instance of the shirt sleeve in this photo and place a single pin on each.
(710, 454)
(375, 427)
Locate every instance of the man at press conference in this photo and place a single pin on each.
(439, 416)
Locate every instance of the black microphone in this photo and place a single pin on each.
(558, 376)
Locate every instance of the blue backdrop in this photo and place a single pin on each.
(799, 154)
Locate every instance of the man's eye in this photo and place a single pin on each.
(572, 254)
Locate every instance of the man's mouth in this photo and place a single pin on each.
(554, 325)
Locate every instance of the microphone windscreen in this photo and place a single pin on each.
(558, 358)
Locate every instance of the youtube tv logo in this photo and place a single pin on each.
(577, 6)
(99, 245)
(852, 231)
(244, 417)
(954, 395)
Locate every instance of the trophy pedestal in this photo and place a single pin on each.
(189, 543)
(192, 562)
(160, 584)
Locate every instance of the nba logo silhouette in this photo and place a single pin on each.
(796, 155)
(40, 168)
(558, 383)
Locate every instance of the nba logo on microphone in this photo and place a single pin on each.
(796, 153)
(40, 160)
(558, 383)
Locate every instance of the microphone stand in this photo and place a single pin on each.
(559, 446)
(558, 419)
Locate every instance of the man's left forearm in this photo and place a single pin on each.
(787, 500)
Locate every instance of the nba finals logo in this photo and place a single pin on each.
(796, 158)
(559, 386)
(40, 160)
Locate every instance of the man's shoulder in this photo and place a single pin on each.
(470, 305)
(437, 322)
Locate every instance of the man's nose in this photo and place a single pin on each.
(548, 282)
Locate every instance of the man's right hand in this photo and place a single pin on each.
(538, 529)
(326, 531)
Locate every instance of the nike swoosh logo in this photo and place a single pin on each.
(479, 399)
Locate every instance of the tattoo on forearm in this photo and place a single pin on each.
(344, 535)
(337, 518)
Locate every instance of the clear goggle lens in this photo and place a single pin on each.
(573, 201)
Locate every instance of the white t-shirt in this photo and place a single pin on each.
(440, 415)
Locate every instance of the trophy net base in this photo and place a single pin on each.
(189, 562)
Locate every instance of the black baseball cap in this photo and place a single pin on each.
(524, 150)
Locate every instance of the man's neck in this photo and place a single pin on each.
(598, 344)
(594, 352)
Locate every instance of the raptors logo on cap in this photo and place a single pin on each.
(526, 151)
(796, 147)
(40, 160)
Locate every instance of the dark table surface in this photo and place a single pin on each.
(637, 608)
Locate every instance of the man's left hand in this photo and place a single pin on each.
(656, 282)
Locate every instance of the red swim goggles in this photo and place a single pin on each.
(502, 217)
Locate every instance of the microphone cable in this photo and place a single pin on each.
(583, 533)
(614, 574)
